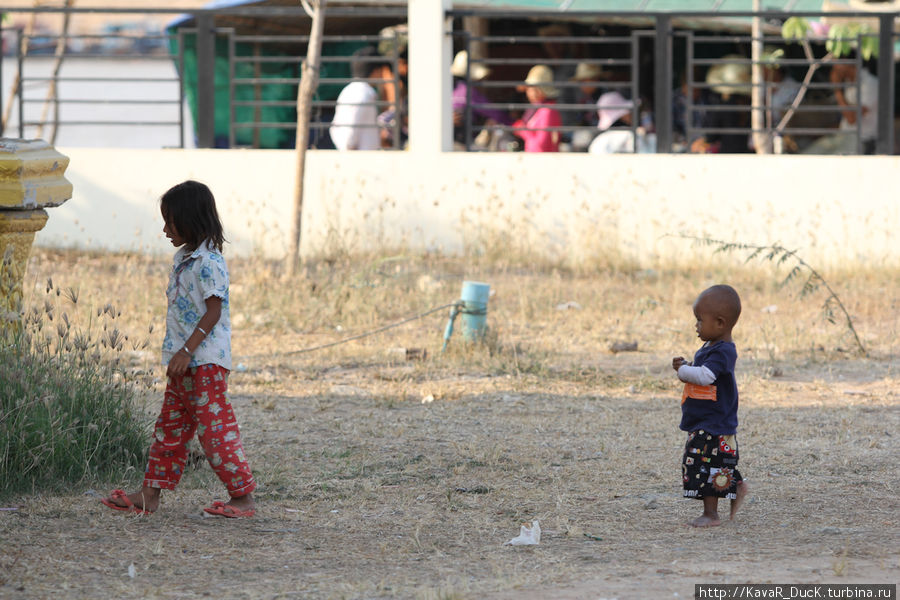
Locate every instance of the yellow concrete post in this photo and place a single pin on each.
(31, 178)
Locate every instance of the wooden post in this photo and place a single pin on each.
(761, 141)
(17, 80)
(53, 89)
(309, 79)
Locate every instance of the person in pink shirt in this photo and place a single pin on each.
(536, 125)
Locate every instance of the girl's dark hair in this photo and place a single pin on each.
(190, 208)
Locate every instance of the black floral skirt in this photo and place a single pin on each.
(709, 465)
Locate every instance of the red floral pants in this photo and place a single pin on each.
(197, 402)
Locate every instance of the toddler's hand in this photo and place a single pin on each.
(678, 361)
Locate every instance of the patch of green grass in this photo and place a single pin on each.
(68, 410)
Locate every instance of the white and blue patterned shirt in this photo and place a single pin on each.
(195, 277)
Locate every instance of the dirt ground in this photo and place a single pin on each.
(382, 477)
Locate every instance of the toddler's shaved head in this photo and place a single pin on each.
(724, 301)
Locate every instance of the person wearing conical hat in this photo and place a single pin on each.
(467, 92)
(730, 81)
(591, 79)
(614, 121)
(537, 125)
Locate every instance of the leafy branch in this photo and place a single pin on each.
(841, 40)
(779, 255)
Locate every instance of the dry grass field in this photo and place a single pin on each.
(382, 477)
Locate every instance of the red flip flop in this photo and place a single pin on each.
(229, 512)
(129, 505)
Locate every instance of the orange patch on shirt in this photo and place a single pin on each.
(698, 392)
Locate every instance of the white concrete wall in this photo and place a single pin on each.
(834, 210)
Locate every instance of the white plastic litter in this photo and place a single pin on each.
(527, 536)
(132, 571)
(570, 305)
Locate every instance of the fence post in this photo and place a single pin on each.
(20, 89)
(885, 140)
(662, 83)
(206, 81)
(430, 123)
(180, 41)
(2, 121)
(467, 48)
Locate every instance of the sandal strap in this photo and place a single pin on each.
(121, 495)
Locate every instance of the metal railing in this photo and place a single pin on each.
(772, 113)
(253, 93)
(262, 71)
(107, 87)
(655, 94)
(570, 111)
(247, 91)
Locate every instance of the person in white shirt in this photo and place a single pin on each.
(355, 124)
(853, 132)
(846, 96)
(613, 116)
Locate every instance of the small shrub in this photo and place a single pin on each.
(68, 410)
(779, 255)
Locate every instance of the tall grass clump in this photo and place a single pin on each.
(69, 409)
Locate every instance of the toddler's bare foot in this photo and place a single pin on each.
(706, 521)
(741, 491)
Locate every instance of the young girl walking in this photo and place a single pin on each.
(197, 352)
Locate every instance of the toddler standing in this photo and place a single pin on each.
(709, 406)
(197, 352)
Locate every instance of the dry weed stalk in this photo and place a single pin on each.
(67, 410)
(779, 255)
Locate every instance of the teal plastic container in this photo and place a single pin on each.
(474, 309)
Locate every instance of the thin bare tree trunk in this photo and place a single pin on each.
(761, 141)
(309, 78)
(815, 63)
(23, 49)
(52, 89)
